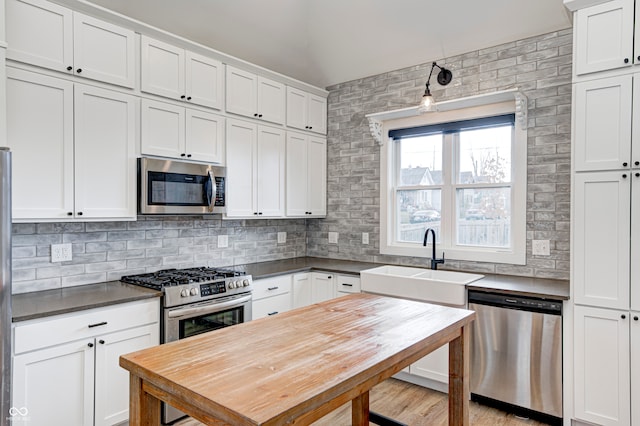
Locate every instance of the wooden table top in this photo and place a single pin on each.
(275, 369)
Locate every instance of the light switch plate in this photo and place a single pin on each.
(61, 252)
(333, 238)
(540, 248)
(223, 241)
(282, 237)
(365, 238)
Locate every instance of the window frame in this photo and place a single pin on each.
(516, 254)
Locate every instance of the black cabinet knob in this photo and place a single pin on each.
(188, 155)
(637, 163)
(310, 127)
(635, 318)
(69, 214)
(183, 155)
(625, 164)
(90, 345)
(256, 213)
(182, 97)
(626, 60)
(624, 176)
(255, 115)
(188, 98)
(101, 341)
(259, 115)
(79, 213)
(637, 174)
(623, 316)
(69, 68)
(79, 70)
(638, 58)
(259, 213)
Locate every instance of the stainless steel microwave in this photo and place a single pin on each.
(178, 187)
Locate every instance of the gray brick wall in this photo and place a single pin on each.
(539, 66)
(105, 251)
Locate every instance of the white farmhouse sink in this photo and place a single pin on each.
(443, 287)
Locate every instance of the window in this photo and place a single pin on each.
(465, 178)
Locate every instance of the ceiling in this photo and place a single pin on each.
(324, 42)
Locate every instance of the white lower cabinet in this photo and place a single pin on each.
(347, 284)
(323, 286)
(65, 368)
(314, 287)
(603, 368)
(271, 296)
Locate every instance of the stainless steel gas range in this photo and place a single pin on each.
(195, 301)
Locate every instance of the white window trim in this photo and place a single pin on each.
(517, 253)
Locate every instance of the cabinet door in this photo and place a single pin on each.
(604, 36)
(270, 159)
(204, 80)
(317, 116)
(55, 385)
(271, 101)
(635, 365)
(601, 366)
(163, 68)
(162, 129)
(434, 366)
(296, 108)
(346, 284)
(39, 33)
(301, 290)
(635, 242)
(603, 124)
(112, 382)
(317, 176)
(42, 153)
(105, 153)
(601, 238)
(242, 94)
(296, 175)
(204, 136)
(241, 169)
(103, 51)
(322, 287)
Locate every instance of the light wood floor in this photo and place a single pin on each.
(415, 406)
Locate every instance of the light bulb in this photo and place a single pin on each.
(427, 104)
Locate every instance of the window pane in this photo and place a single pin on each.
(421, 160)
(418, 210)
(485, 155)
(484, 217)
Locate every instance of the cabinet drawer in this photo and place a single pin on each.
(268, 287)
(348, 284)
(270, 306)
(58, 329)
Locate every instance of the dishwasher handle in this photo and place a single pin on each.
(521, 303)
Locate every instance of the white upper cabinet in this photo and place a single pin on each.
(254, 96)
(51, 36)
(255, 170)
(306, 111)
(173, 131)
(603, 124)
(79, 161)
(306, 175)
(179, 74)
(605, 37)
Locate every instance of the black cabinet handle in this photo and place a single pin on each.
(79, 213)
(90, 345)
(329, 277)
(98, 324)
(273, 288)
(626, 60)
(272, 313)
(347, 285)
(623, 316)
(101, 341)
(79, 70)
(69, 68)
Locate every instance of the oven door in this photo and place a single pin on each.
(190, 320)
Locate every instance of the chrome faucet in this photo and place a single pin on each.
(434, 260)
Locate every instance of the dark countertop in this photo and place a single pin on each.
(26, 306)
(41, 304)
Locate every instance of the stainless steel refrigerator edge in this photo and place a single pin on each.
(5, 283)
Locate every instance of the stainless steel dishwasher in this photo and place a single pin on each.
(516, 354)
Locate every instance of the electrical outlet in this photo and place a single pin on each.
(333, 238)
(540, 248)
(223, 241)
(61, 252)
(282, 237)
(365, 238)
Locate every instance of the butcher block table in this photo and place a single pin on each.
(298, 366)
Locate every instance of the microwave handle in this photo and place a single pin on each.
(211, 190)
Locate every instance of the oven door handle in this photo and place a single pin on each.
(208, 308)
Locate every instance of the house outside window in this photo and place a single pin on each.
(462, 173)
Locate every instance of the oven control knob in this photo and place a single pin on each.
(193, 291)
(238, 284)
(232, 284)
(245, 283)
(184, 292)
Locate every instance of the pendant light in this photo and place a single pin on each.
(444, 77)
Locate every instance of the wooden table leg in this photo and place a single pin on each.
(360, 410)
(459, 379)
(144, 409)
